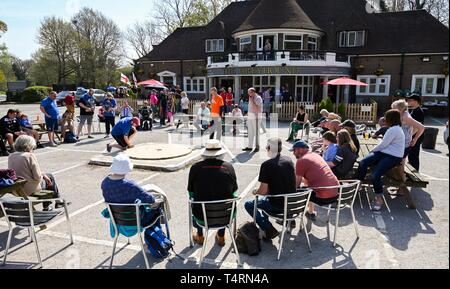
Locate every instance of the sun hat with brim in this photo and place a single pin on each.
(213, 148)
(299, 145)
(121, 165)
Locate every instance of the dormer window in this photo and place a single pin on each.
(352, 38)
(312, 43)
(215, 45)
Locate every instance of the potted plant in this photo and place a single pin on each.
(359, 68)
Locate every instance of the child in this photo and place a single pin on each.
(329, 147)
(27, 127)
(126, 110)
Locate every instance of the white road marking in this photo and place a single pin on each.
(248, 189)
(430, 178)
(69, 168)
(436, 120)
(38, 154)
(381, 226)
(81, 151)
(435, 155)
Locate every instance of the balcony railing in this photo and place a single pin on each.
(277, 56)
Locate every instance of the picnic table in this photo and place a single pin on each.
(413, 178)
(42, 128)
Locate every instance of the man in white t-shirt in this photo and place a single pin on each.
(203, 116)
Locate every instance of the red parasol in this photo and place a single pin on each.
(151, 82)
(345, 81)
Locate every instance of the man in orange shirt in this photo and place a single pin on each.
(217, 104)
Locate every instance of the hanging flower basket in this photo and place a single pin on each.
(360, 68)
(445, 71)
(379, 72)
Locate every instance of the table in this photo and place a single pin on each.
(413, 177)
(43, 128)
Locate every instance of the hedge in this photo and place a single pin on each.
(35, 94)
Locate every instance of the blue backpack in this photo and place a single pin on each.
(158, 243)
(70, 138)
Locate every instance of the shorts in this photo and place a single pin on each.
(322, 202)
(52, 125)
(88, 118)
(121, 140)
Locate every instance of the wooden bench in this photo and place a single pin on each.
(392, 179)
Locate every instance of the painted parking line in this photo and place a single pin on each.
(38, 154)
(69, 168)
(431, 178)
(82, 151)
(435, 155)
(248, 189)
(389, 252)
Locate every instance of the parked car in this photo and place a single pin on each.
(446, 139)
(60, 98)
(99, 95)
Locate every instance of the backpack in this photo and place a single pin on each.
(70, 138)
(158, 243)
(247, 239)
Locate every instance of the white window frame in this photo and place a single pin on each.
(309, 85)
(315, 42)
(293, 41)
(424, 77)
(196, 81)
(168, 74)
(215, 45)
(243, 43)
(260, 86)
(377, 86)
(344, 38)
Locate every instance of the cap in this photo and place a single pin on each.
(136, 121)
(349, 123)
(299, 145)
(415, 97)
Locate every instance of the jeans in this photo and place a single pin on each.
(53, 187)
(381, 163)
(262, 219)
(200, 229)
(414, 154)
(110, 122)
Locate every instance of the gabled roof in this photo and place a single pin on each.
(278, 14)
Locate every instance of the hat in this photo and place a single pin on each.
(136, 121)
(121, 165)
(213, 148)
(349, 123)
(299, 145)
(415, 97)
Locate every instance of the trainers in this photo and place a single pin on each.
(256, 150)
(48, 209)
(90, 137)
(107, 136)
(311, 216)
(220, 240)
(108, 148)
(247, 150)
(53, 145)
(198, 239)
(40, 146)
(271, 233)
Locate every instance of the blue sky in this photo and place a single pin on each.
(24, 16)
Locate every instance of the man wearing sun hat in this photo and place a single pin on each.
(212, 179)
(124, 132)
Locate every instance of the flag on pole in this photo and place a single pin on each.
(124, 79)
(135, 80)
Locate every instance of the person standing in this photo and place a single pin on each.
(217, 105)
(154, 102)
(184, 108)
(163, 108)
(416, 111)
(50, 109)
(171, 107)
(87, 110)
(255, 109)
(229, 100)
(267, 98)
(109, 106)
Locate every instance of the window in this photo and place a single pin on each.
(304, 88)
(195, 84)
(215, 45)
(312, 43)
(430, 85)
(264, 82)
(293, 42)
(351, 38)
(377, 85)
(245, 43)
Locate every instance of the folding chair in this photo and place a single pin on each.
(216, 215)
(130, 215)
(294, 206)
(347, 195)
(22, 214)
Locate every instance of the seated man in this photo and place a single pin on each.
(383, 129)
(146, 116)
(117, 189)
(10, 128)
(27, 128)
(202, 121)
(277, 176)
(212, 179)
(314, 172)
(124, 132)
(238, 118)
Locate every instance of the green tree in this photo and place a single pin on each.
(3, 27)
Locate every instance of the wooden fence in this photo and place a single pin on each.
(359, 112)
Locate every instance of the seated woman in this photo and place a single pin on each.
(350, 126)
(26, 165)
(300, 122)
(117, 189)
(27, 128)
(330, 147)
(333, 126)
(346, 155)
(388, 154)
